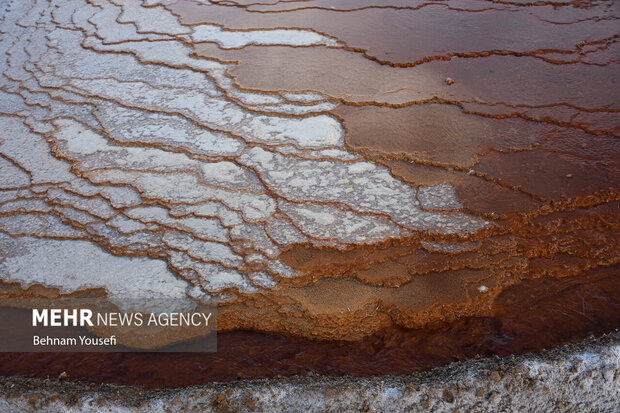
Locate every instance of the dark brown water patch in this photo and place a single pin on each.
(434, 133)
(550, 175)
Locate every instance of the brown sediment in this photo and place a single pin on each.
(482, 196)
(486, 85)
(533, 315)
(525, 141)
(434, 133)
(412, 36)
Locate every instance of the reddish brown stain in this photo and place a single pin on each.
(528, 134)
(533, 315)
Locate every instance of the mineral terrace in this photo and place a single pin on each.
(326, 169)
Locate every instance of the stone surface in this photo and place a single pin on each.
(577, 377)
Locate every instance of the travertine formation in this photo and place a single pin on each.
(284, 160)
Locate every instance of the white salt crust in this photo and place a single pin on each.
(88, 266)
(113, 132)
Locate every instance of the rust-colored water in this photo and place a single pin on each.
(533, 315)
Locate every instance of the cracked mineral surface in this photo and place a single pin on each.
(305, 166)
